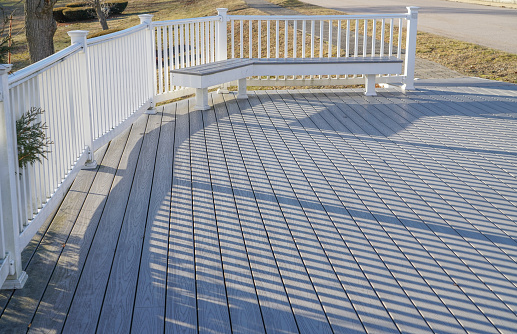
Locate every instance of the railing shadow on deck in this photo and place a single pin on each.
(65, 279)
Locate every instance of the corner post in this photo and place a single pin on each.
(151, 65)
(221, 41)
(79, 37)
(11, 274)
(409, 67)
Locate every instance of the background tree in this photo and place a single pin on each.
(40, 28)
(4, 35)
(101, 12)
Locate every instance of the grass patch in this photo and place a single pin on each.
(305, 8)
(466, 58)
(161, 9)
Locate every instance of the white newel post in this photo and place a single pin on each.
(150, 63)
(409, 70)
(79, 37)
(11, 269)
(221, 41)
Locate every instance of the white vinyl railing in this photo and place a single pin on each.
(184, 43)
(180, 44)
(95, 88)
(315, 36)
(89, 92)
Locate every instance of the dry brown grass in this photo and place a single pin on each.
(467, 58)
(161, 9)
(305, 8)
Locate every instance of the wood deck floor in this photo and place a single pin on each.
(320, 211)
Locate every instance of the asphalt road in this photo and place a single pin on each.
(494, 27)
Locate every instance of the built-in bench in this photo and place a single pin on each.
(203, 76)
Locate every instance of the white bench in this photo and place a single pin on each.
(203, 76)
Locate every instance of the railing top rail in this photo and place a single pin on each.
(115, 35)
(317, 17)
(182, 21)
(30, 71)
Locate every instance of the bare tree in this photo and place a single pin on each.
(4, 35)
(100, 10)
(40, 28)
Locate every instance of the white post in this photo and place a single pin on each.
(409, 70)
(242, 92)
(221, 40)
(151, 63)
(79, 37)
(369, 85)
(12, 263)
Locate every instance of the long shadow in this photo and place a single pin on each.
(167, 235)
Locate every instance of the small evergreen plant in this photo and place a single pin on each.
(31, 137)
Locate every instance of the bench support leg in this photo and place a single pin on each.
(201, 99)
(242, 89)
(223, 89)
(370, 85)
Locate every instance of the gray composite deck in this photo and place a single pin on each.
(312, 211)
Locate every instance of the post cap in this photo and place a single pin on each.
(78, 36)
(145, 18)
(5, 68)
(413, 11)
(222, 11)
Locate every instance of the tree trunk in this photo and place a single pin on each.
(100, 14)
(40, 27)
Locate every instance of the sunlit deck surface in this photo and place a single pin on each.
(312, 211)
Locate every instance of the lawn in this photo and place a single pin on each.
(467, 58)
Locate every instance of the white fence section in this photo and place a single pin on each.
(189, 42)
(95, 88)
(89, 92)
(315, 36)
(180, 44)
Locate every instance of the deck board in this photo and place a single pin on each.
(84, 311)
(212, 305)
(151, 288)
(117, 306)
(181, 306)
(242, 296)
(56, 301)
(306, 305)
(377, 236)
(294, 211)
(271, 294)
(400, 210)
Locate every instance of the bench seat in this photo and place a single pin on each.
(203, 76)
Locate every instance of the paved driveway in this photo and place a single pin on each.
(494, 27)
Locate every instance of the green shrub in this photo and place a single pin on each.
(77, 4)
(79, 13)
(31, 137)
(116, 6)
(58, 14)
(104, 32)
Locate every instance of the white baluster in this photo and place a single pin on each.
(79, 36)
(304, 36)
(338, 39)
